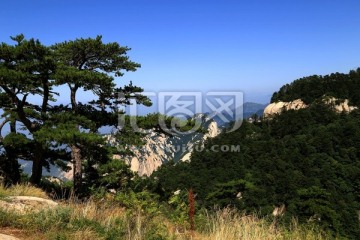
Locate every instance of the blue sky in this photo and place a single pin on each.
(204, 45)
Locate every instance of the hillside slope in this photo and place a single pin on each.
(306, 161)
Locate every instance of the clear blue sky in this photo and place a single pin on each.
(202, 45)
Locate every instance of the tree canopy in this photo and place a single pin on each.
(32, 79)
(308, 89)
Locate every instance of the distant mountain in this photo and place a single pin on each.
(250, 108)
(247, 110)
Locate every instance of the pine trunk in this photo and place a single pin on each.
(11, 168)
(77, 168)
(37, 165)
(11, 165)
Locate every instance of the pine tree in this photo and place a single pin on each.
(49, 129)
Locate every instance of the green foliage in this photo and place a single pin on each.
(115, 175)
(307, 160)
(48, 129)
(144, 201)
(57, 189)
(44, 220)
(232, 193)
(314, 205)
(341, 86)
(179, 212)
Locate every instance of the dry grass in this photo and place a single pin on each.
(85, 234)
(22, 190)
(103, 213)
(136, 224)
(229, 224)
(105, 220)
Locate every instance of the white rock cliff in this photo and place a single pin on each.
(277, 107)
(160, 148)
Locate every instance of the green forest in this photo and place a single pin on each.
(306, 160)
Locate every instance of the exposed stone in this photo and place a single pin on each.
(24, 204)
(213, 130)
(279, 211)
(53, 179)
(239, 195)
(68, 175)
(186, 157)
(160, 148)
(339, 106)
(7, 237)
(277, 107)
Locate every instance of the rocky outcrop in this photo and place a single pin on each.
(338, 105)
(277, 107)
(160, 148)
(147, 158)
(24, 204)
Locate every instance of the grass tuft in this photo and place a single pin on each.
(22, 190)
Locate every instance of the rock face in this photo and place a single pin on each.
(160, 148)
(339, 106)
(277, 107)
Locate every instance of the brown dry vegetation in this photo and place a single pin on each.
(107, 220)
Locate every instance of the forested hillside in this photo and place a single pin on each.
(308, 89)
(306, 160)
